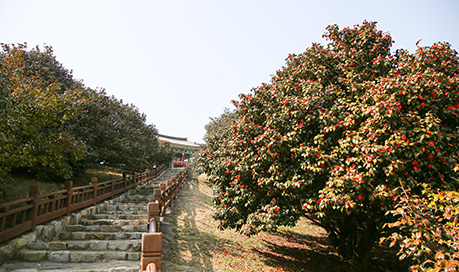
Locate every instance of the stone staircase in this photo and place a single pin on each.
(109, 239)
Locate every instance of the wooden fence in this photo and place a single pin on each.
(151, 258)
(22, 215)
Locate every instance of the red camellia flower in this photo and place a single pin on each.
(404, 137)
(414, 162)
(360, 197)
(440, 176)
(431, 143)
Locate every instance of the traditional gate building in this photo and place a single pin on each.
(182, 147)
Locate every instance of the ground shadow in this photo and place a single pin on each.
(185, 247)
(309, 253)
(299, 252)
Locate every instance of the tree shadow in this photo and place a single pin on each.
(300, 252)
(187, 248)
(309, 253)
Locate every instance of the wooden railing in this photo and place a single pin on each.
(22, 215)
(151, 258)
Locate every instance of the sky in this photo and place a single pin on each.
(182, 62)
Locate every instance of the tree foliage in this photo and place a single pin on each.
(33, 134)
(427, 228)
(117, 134)
(334, 133)
(52, 125)
(218, 123)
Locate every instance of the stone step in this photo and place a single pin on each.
(76, 256)
(106, 228)
(138, 198)
(115, 214)
(128, 212)
(76, 235)
(145, 190)
(93, 245)
(125, 207)
(107, 266)
(117, 222)
(119, 216)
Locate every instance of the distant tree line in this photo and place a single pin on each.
(53, 126)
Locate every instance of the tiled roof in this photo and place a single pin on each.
(177, 140)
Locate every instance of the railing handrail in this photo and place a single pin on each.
(151, 258)
(90, 186)
(16, 210)
(15, 202)
(62, 192)
(40, 208)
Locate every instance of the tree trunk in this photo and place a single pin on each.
(354, 241)
(367, 238)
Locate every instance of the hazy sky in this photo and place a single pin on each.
(181, 62)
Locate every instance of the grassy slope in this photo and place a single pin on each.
(18, 186)
(192, 242)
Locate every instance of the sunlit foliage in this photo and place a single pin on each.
(55, 127)
(334, 133)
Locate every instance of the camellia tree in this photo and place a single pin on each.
(34, 113)
(334, 133)
(217, 123)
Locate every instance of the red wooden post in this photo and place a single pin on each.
(157, 195)
(124, 181)
(35, 193)
(154, 212)
(175, 185)
(151, 250)
(169, 185)
(163, 192)
(112, 179)
(69, 188)
(157, 198)
(94, 185)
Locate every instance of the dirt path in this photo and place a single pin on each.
(192, 242)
